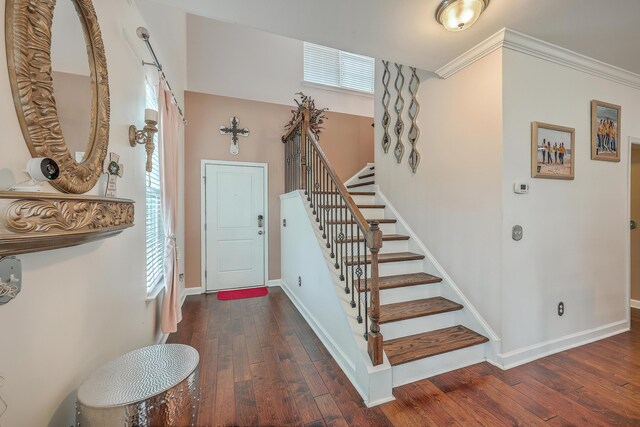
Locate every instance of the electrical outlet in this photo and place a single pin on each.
(299, 281)
(560, 308)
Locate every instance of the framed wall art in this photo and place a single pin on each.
(605, 131)
(552, 151)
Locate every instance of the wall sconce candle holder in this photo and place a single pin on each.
(145, 135)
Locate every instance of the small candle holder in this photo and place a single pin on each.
(145, 135)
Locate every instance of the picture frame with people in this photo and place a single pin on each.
(605, 131)
(552, 151)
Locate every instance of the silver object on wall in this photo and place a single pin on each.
(155, 385)
(386, 98)
(516, 233)
(414, 130)
(399, 107)
(10, 278)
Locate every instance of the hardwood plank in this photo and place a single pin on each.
(416, 308)
(597, 384)
(571, 411)
(385, 257)
(419, 346)
(330, 412)
(246, 409)
(240, 359)
(225, 408)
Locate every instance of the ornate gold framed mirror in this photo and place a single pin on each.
(28, 30)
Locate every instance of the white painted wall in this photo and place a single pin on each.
(576, 233)
(454, 201)
(475, 143)
(80, 307)
(241, 62)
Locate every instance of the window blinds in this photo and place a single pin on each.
(154, 228)
(333, 67)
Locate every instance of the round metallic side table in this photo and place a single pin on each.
(151, 386)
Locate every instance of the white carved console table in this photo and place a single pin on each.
(33, 222)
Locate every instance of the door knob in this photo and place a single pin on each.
(634, 224)
(260, 232)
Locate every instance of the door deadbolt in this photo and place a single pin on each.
(260, 221)
(516, 232)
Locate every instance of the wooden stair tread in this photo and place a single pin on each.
(359, 206)
(420, 346)
(416, 308)
(361, 184)
(372, 168)
(404, 280)
(367, 175)
(385, 238)
(353, 193)
(351, 221)
(389, 257)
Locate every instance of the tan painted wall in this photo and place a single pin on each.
(347, 140)
(635, 215)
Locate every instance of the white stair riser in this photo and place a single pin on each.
(435, 365)
(387, 246)
(364, 200)
(410, 293)
(401, 267)
(418, 325)
(372, 213)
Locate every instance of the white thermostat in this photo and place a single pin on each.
(520, 188)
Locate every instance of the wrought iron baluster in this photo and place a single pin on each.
(332, 222)
(366, 292)
(359, 275)
(339, 235)
(316, 185)
(353, 261)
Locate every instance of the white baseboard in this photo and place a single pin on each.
(192, 291)
(274, 282)
(527, 354)
(635, 303)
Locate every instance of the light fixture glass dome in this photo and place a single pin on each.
(458, 15)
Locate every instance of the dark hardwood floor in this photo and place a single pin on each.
(261, 364)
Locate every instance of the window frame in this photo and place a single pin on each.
(340, 66)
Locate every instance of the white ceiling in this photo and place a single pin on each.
(405, 31)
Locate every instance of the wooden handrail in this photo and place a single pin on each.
(293, 127)
(351, 205)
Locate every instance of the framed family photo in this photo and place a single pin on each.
(552, 151)
(605, 131)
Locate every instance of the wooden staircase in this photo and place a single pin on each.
(413, 347)
(386, 288)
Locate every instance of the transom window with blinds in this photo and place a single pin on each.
(154, 228)
(333, 67)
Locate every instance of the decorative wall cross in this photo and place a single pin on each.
(234, 131)
(114, 170)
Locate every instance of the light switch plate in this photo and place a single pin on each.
(11, 278)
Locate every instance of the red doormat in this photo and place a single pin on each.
(243, 293)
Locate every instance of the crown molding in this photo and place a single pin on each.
(515, 41)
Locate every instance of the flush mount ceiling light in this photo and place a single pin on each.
(458, 15)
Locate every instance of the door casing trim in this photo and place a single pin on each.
(203, 214)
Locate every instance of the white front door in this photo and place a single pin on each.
(235, 226)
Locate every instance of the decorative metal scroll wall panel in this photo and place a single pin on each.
(399, 107)
(386, 98)
(414, 130)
